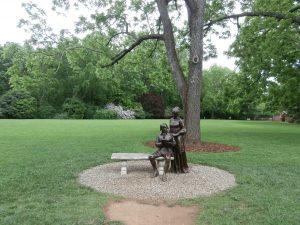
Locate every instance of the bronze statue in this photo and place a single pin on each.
(164, 142)
(179, 164)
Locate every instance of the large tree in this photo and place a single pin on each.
(181, 25)
(268, 56)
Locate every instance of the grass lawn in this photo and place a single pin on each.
(41, 159)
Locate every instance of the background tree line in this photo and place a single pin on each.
(66, 82)
(49, 82)
(58, 76)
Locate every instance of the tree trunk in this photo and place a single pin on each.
(192, 120)
(189, 90)
(212, 114)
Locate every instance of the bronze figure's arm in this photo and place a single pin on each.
(158, 143)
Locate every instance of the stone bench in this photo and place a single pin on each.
(124, 157)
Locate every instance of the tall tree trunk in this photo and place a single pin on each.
(189, 90)
(192, 120)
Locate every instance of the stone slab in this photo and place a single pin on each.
(130, 156)
(133, 156)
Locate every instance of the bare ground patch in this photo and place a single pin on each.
(132, 212)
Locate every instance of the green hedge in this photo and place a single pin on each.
(18, 104)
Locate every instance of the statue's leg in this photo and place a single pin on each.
(154, 166)
(184, 163)
(166, 167)
(175, 164)
(185, 168)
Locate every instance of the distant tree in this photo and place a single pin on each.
(213, 98)
(154, 105)
(243, 96)
(33, 71)
(4, 78)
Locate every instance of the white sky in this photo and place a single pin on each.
(11, 12)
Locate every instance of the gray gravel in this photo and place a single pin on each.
(137, 184)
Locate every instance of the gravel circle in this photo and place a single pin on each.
(137, 184)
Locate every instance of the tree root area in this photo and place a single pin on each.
(204, 147)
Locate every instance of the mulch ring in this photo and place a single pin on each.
(203, 147)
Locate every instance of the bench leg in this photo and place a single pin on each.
(124, 168)
(160, 164)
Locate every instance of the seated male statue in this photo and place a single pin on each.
(164, 143)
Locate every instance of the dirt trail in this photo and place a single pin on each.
(134, 213)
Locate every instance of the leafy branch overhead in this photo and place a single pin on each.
(121, 54)
(295, 19)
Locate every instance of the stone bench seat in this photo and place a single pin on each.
(124, 157)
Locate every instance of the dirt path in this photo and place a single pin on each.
(132, 212)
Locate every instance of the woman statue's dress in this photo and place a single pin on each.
(179, 164)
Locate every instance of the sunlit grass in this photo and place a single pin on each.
(41, 159)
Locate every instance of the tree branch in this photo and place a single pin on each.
(170, 45)
(83, 47)
(153, 50)
(138, 41)
(295, 8)
(117, 34)
(276, 15)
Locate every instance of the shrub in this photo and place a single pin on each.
(61, 116)
(46, 112)
(139, 112)
(105, 114)
(122, 114)
(17, 104)
(74, 108)
(90, 112)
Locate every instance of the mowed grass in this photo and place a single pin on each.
(40, 161)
